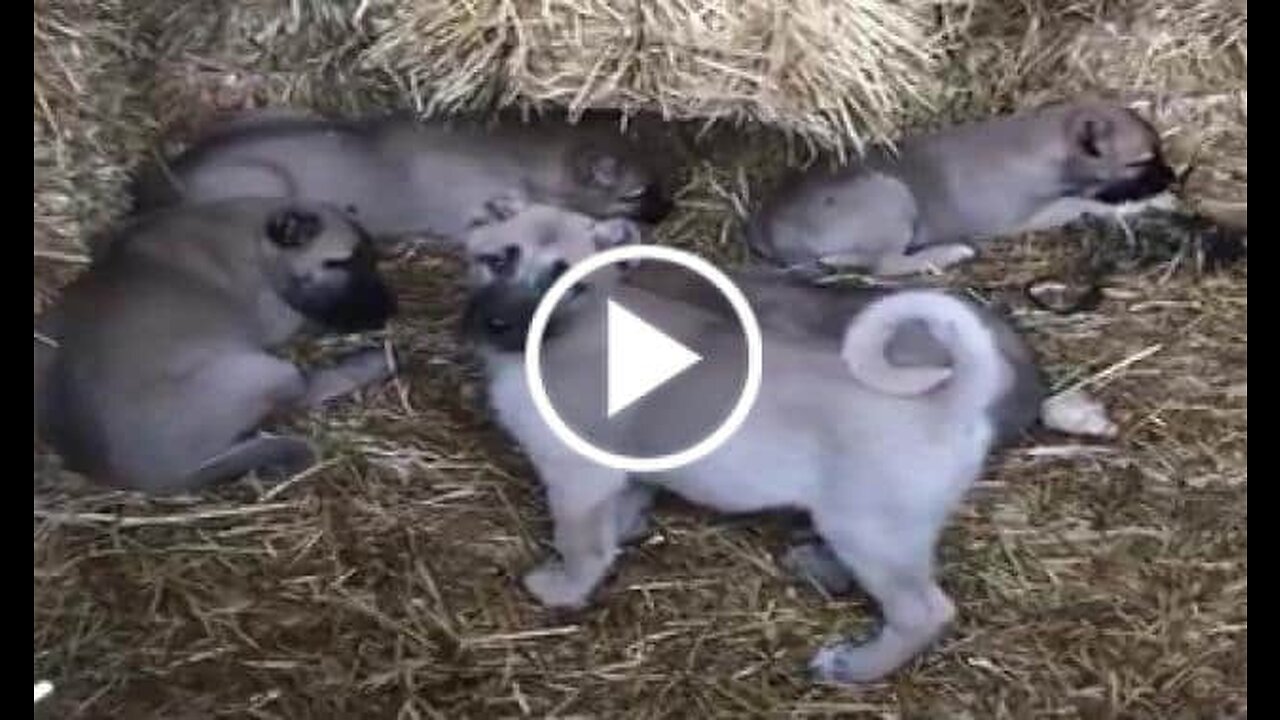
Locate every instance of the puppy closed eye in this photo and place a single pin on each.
(500, 264)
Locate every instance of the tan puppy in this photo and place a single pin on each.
(400, 176)
(878, 455)
(154, 370)
(903, 213)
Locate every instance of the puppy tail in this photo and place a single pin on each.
(977, 373)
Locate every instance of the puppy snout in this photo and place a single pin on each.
(499, 315)
(1152, 178)
(654, 205)
(558, 268)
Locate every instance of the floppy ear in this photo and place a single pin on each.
(293, 227)
(598, 168)
(498, 208)
(1092, 134)
(615, 232)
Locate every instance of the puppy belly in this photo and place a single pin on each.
(743, 480)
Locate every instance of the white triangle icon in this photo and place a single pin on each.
(640, 358)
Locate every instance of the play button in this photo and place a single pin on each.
(641, 358)
(636, 380)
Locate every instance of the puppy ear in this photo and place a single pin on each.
(293, 227)
(1092, 134)
(596, 168)
(615, 232)
(499, 208)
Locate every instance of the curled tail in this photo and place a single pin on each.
(978, 372)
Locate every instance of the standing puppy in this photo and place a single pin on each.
(910, 211)
(877, 454)
(155, 370)
(401, 176)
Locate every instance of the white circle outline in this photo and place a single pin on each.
(630, 463)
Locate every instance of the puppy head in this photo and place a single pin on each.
(610, 179)
(1114, 155)
(518, 251)
(323, 264)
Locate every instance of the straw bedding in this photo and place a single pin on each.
(1093, 580)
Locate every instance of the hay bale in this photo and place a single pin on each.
(86, 128)
(838, 72)
(1183, 63)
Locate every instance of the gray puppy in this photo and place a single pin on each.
(153, 369)
(903, 212)
(878, 455)
(400, 176)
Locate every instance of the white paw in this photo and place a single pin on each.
(1077, 413)
(951, 254)
(848, 662)
(556, 588)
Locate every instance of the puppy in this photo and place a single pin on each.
(915, 210)
(154, 370)
(877, 455)
(792, 306)
(400, 176)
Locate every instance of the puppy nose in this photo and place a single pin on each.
(654, 206)
(558, 268)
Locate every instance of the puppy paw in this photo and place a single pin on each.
(1077, 413)
(289, 457)
(554, 587)
(948, 255)
(366, 367)
(849, 662)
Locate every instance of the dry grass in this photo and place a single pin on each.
(837, 72)
(1092, 582)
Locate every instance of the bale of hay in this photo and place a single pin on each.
(835, 71)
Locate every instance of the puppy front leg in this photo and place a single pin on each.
(351, 373)
(927, 259)
(584, 503)
(898, 573)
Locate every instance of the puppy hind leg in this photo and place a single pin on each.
(353, 372)
(633, 511)
(899, 577)
(273, 457)
(815, 563)
(583, 500)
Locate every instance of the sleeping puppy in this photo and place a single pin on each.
(878, 455)
(904, 212)
(154, 368)
(400, 176)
